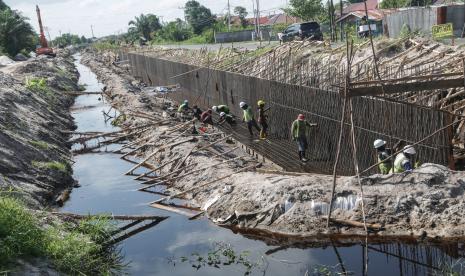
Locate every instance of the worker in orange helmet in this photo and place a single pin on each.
(299, 130)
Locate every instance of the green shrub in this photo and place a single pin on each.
(20, 234)
(37, 85)
(73, 249)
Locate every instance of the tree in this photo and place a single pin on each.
(242, 13)
(175, 31)
(393, 4)
(16, 34)
(198, 16)
(3, 6)
(305, 9)
(68, 39)
(145, 25)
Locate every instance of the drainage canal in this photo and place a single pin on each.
(159, 250)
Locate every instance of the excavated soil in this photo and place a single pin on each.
(31, 125)
(425, 203)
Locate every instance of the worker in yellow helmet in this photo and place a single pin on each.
(262, 119)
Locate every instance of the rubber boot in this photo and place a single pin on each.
(300, 155)
(262, 135)
(303, 157)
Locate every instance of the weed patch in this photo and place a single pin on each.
(40, 145)
(37, 85)
(53, 165)
(71, 248)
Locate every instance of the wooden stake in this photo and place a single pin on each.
(157, 151)
(206, 184)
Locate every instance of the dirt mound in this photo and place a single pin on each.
(34, 156)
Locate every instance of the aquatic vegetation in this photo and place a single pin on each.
(221, 255)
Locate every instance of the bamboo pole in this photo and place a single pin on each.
(206, 184)
(189, 173)
(157, 151)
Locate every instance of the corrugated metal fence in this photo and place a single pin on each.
(374, 118)
(423, 18)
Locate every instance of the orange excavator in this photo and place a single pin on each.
(44, 49)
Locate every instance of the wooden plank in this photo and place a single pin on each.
(181, 211)
(405, 87)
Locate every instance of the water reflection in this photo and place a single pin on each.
(106, 189)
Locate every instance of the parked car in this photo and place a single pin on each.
(302, 31)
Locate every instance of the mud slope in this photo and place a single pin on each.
(34, 156)
(428, 202)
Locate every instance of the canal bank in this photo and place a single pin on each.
(150, 252)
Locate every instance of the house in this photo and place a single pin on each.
(355, 15)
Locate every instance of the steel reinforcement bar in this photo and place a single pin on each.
(374, 118)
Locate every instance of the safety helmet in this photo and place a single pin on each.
(261, 103)
(242, 104)
(222, 114)
(215, 108)
(379, 143)
(409, 150)
(186, 101)
(301, 117)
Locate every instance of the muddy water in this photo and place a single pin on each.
(104, 188)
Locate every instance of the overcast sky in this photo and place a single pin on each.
(112, 16)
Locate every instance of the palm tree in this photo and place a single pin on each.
(145, 25)
(16, 33)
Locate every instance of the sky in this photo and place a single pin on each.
(112, 16)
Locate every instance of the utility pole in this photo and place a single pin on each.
(341, 26)
(92, 29)
(229, 17)
(258, 20)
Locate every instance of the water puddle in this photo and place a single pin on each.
(105, 189)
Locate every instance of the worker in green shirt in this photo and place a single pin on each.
(183, 107)
(248, 117)
(221, 108)
(383, 156)
(299, 130)
(405, 161)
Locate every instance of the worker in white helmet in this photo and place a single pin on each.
(248, 117)
(383, 156)
(405, 161)
(224, 117)
(221, 108)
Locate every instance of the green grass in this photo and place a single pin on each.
(37, 85)
(53, 165)
(40, 145)
(73, 249)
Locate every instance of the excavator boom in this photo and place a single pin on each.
(44, 49)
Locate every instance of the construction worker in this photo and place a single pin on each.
(405, 161)
(221, 108)
(183, 107)
(262, 119)
(197, 112)
(226, 118)
(206, 117)
(383, 156)
(299, 131)
(248, 117)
